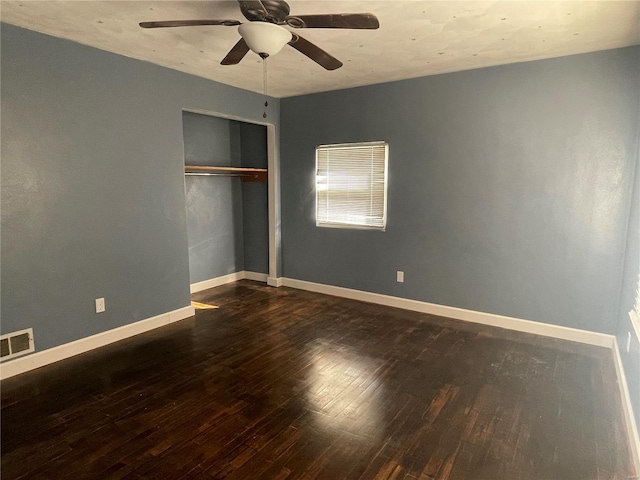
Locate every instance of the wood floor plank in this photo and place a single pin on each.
(287, 384)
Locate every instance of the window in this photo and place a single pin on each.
(351, 185)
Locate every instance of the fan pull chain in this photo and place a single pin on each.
(264, 77)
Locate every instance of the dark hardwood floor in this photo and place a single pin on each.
(284, 384)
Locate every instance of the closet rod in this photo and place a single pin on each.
(200, 174)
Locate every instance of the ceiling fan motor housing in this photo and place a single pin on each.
(273, 11)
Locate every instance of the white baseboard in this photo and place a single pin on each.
(45, 357)
(230, 278)
(627, 406)
(528, 326)
(216, 282)
(55, 354)
(256, 276)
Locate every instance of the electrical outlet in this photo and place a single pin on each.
(628, 341)
(100, 306)
(399, 276)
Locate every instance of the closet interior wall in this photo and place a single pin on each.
(227, 219)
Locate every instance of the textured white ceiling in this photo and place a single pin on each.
(416, 38)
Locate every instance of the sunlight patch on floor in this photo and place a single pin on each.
(203, 306)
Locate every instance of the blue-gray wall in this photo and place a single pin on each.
(93, 200)
(631, 359)
(214, 204)
(508, 187)
(255, 203)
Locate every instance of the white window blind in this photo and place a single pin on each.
(351, 185)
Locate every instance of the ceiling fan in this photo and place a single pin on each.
(265, 34)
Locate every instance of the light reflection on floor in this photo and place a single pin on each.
(345, 392)
(203, 306)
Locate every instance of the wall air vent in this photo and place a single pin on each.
(15, 344)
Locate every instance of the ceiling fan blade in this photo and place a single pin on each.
(338, 20)
(314, 52)
(188, 23)
(236, 54)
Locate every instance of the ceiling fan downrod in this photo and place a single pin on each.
(264, 57)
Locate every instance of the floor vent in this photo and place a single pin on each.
(16, 344)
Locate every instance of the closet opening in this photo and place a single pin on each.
(227, 199)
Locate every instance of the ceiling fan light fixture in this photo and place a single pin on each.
(264, 38)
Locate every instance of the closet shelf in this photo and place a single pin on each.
(247, 174)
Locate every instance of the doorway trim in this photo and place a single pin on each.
(273, 187)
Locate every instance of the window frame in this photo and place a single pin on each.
(351, 226)
(634, 313)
